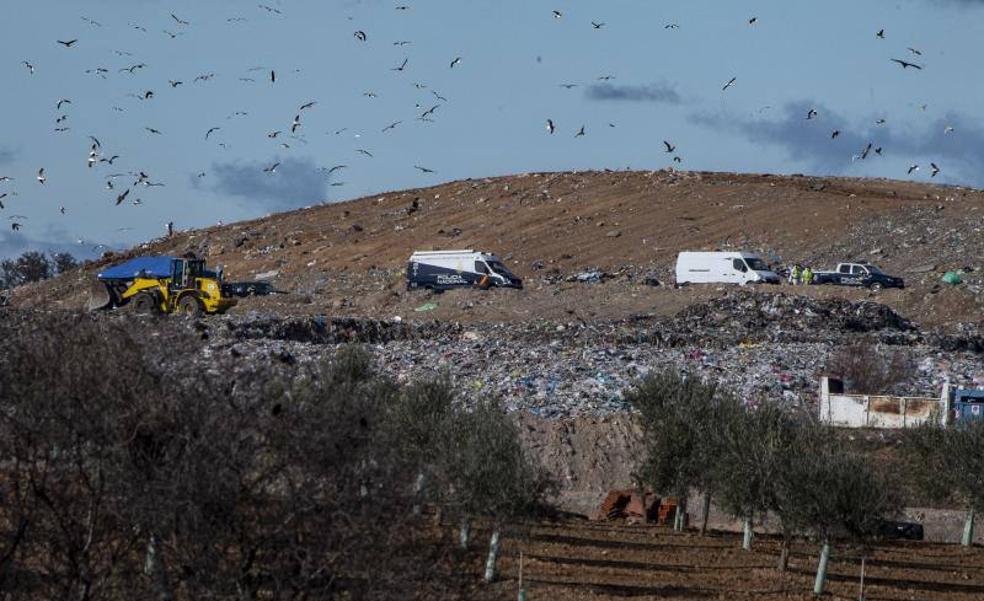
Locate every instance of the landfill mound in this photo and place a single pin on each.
(590, 245)
(757, 316)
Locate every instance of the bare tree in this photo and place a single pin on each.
(868, 369)
(63, 262)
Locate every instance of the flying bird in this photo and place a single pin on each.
(567, 86)
(402, 66)
(880, 34)
(360, 35)
(864, 153)
(269, 9)
(423, 169)
(15, 226)
(880, 122)
(456, 60)
(67, 44)
(179, 21)
(121, 197)
(295, 124)
(365, 152)
(913, 167)
(29, 66)
(878, 151)
(402, 43)
(752, 20)
(905, 64)
(61, 102)
(810, 114)
(438, 96)
(274, 134)
(834, 134)
(210, 130)
(580, 132)
(671, 26)
(153, 131)
(935, 170)
(42, 178)
(557, 14)
(914, 51)
(550, 126)
(730, 83)
(669, 147)
(948, 129)
(110, 159)
(597, 25)
(391, 126)
(333, 169)
(95, 141)
(308, 105)
(273, 76)
(174, 84)
(272, 168)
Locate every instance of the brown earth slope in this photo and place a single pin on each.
(348, 258)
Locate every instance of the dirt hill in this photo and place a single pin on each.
(348, 258)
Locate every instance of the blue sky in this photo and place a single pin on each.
(665, 84)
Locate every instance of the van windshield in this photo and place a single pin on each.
(756, 264)
(499, 268)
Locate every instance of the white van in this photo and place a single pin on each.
(723, 268)
(445, 269)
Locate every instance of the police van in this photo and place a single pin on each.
(446, 269)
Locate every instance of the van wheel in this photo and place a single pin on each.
(189, 305)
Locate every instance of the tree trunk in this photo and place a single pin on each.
(464, 533)
(705, 513)
(493, 555)
(822, 568)
(784, 551)
(968, 532)
(418, 491)
(154, 569)
(746, 540)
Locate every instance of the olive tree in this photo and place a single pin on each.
(948, 463)
(677, 415)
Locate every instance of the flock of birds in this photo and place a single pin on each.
(124, 186)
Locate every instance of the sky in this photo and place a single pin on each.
(644, 72)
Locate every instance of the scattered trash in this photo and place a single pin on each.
(953, 278)
(426, 307)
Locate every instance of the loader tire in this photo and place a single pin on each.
(144, 304)
(189, 305)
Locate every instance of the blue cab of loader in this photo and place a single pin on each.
(161, 285)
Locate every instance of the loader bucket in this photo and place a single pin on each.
(99, 297)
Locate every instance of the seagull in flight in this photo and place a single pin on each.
(905, 64)
(272, 168)
(834, 134)
(935, 170)
(391, 126)
(557, 14)
(567, 86)
(360, 35)
(308, 105)
(580, 132)
(913, 167)
(948, 129)
(914, 51)
(669, 147)
(402, 66)
(423, 169)
(330, 170)
(456, 61)
(810, 114)
(402, 43)
(880, 34)
(597, 25)
(210, 130)
(730, 83)
(122, 196)
(61, 102)
(153, 131)
(179, 21)
(550, 126)
(671, 26)
(42, 178)
(438, 96)
(365, 152)
(29, 66)
(295, 124)
(67, 44)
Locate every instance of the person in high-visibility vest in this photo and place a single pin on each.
(807, 276)
(794, 274)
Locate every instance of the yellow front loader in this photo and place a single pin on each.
(161, 285)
